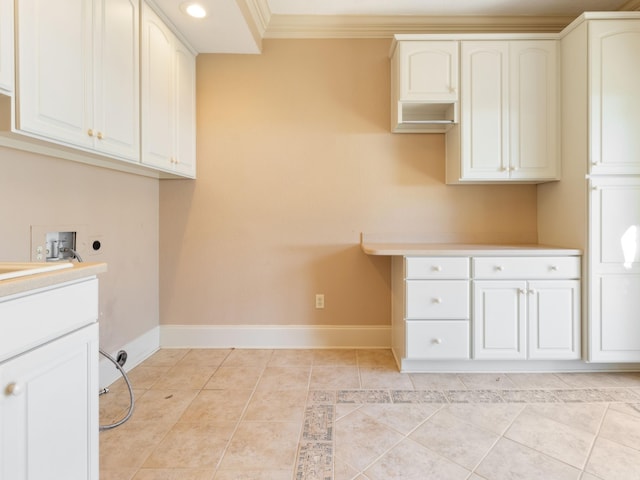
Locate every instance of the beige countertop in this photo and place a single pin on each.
(462, 250)
(13, 286)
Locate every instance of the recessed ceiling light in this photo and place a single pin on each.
(194, 10)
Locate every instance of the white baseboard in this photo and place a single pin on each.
(137, 351)
(275, 336)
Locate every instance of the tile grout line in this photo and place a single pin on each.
(595, 439)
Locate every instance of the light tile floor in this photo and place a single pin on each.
(350, 415)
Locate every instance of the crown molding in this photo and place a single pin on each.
(268, 25)
(378, 26)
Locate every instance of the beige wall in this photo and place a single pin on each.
(295, 159)
(120, 208)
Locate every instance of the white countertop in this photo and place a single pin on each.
(462, 250)
(39, 280)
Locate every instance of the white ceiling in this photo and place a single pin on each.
(238, 26)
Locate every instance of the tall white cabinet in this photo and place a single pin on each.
(596, 206)
(6, 46)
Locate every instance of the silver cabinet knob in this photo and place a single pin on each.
(436, 268)
(437, 341)
(553, 268)
(437, 300)
(498, 268)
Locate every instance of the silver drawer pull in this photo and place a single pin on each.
(553, 268)
(522, 291)
(437, 300)
(437, 341)
(436, 268)
(498, 268)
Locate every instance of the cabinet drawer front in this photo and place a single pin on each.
(526, 267)
(437, 267)
(41, 317)
(438, 340)
(430, 299)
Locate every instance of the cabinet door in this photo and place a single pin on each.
(614, 70)
(55, 98)
(485, 110)
(533, 112)
(117, 79)
(185, 111)
(6, 46)
(157, 55)
(428, 71)
(499, 319)
(615, 225)
(614, 303)
(554, 319)
(49, 410)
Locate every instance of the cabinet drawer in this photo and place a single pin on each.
(438, 340)
(437, 267)
(34, 319)
(526, 267)
(438, 300)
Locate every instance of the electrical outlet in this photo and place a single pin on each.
(319, 300)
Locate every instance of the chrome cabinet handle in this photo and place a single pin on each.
(437, 341)
(437, 300)
(436, 268)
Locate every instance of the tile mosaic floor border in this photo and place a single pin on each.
(315, 456)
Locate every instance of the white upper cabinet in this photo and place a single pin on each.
(428, 71)
(117, 79)
(86, 94)
(485, 111)
(168, 98)
(55, 98)
(6, 46)
(614, 64)
(508, 115)
(424, 85)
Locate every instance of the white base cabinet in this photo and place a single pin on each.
(516, 307)
(519, 320)
(49, 425)
(49, 383)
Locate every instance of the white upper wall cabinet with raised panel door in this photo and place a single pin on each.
(168, 98)
(509, 116)
(424, 85)
(614, 73)
(6, 46)
(55, 98)
(78, 96)
(87, 94)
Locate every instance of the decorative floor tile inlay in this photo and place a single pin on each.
(363, 396)
(418, 396)
(315, 461)
(316, 452)
(318, 423)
